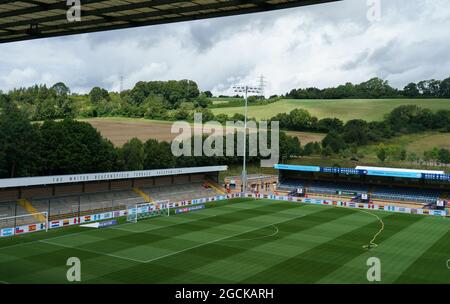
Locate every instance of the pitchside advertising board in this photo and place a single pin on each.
(10, 231)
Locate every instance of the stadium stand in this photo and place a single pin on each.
(179, 192)
(77, 195)
(423, 196)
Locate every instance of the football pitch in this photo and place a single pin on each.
(239, 241)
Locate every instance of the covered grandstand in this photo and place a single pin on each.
(69, 196)
(419, 188)
(24, 19)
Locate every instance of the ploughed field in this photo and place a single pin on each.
(121, 130)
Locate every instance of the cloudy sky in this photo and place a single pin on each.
(323, 45)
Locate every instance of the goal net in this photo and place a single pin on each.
(25, 223)
(140, 211)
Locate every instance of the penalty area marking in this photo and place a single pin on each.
(92, 251)
(159, 227)
(257, 238)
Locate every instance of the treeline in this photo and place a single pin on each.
(70, 147)
(41, 103)
(166, 100)
(397, 153)
(376, 88)
(404, 119)
(180, 99)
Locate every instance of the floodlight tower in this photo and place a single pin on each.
(246, 90)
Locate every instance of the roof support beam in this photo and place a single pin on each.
(32, 22)
(96, 12)
(60, 5)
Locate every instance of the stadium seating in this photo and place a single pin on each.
(71, 205)
(68, 206)
(405, 194)
(179, 192)
(381, 193)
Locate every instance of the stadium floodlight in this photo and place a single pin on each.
(246, 90)
(145, 210)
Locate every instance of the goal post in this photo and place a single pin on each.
(24, 223)
(140, 211)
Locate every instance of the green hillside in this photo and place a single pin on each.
(345, 109)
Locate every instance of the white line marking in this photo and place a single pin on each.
(220, 239)
(140, 261)
(81, 232)
(155, 228)
(172, 253)
(257, 238)
(92, 251)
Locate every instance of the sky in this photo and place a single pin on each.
(323, 45)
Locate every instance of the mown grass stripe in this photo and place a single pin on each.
(90, 254)
(177, 267)
(160, 237)
(396, 254)
(431, 266)
(320, 261)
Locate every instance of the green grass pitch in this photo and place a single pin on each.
(238, 241)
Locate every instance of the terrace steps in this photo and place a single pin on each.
(144, 195)
(26, 204)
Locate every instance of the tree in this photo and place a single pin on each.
(289, 146)
(155, 107)
(403, 154)
(444, 89)
(412, 157)
(334, 142)
(60, 89)
(444, 156)
(300, 120)
(97, 94)
(356, 131)
(429, 88)
(202, 101)
(411, 90)
(208, 94)
(222, 118)
(19, 142)
(70, 147)
(132, 155)
(158, 155)
(326, 152)
(330, 124)
(381, 153)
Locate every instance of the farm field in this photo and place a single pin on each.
(413, 143)
(344, 109)
(121, 130)
(239, 241)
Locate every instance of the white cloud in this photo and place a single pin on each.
(323, 45)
